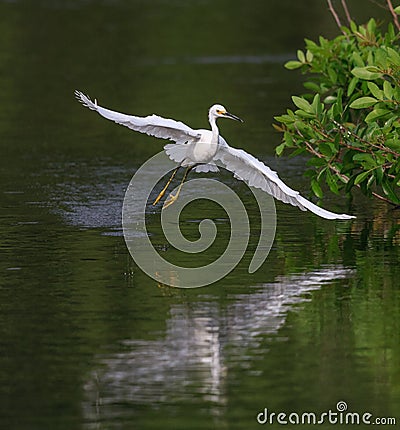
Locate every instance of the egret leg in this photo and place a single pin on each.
(172, 198)
(162, 192)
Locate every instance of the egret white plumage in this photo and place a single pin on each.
(201, 149)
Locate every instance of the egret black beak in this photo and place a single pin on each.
(231, 116)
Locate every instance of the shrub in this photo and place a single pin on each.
(349, 121)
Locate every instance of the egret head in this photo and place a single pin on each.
(218, 111)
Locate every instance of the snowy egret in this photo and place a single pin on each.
(201, 149)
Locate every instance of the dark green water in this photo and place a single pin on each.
(86, 339)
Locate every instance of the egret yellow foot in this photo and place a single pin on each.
(171, 199)
(162, 192)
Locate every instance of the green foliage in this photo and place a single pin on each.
(349, 121)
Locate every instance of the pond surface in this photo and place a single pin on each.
(88, 341)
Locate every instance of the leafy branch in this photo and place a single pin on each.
(349, 121)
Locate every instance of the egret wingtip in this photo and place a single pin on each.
(85, 100)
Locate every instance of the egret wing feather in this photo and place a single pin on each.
(152, 125)
(256, 174)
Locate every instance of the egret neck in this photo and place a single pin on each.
(214, 128)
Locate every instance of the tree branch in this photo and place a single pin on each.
(334, 14)
(394, 14)
(346, 11)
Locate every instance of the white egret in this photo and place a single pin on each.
(200, 149)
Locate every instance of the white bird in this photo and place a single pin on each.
(200, 149)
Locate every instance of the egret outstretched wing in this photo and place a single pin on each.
(256, 174)
(152, 125)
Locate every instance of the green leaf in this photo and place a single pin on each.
(366, 158)
(378, 175)
(284, 119)
(365, 73)
(350, 184)
(370, 181)
(297, 152)
(375, 90)
(372, 60)
(331, 181)
(390, 33)
(393, 144)
(361, 177)
(302, 104)
(362, 30)
(371, 26)
(316, 188)
(363, 102)
(291, 65)
(326, 149)
(339, 103)
(309, 56)
(375, 114)
(397, 10)
(316, 162)
(358, 61)
(387, 89)
(311, 44)
(332, 75)
(317, 105)
(302, 126)
(388, 190)
(396, 92)
(303, 114)
(312, 86)
(288, 139)
(330, 99)
(352, 86)
(381, 58)
(394, 56)
(323, 42)
(301, 56)
(321, 173)
(279, 149)
(345, 30)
